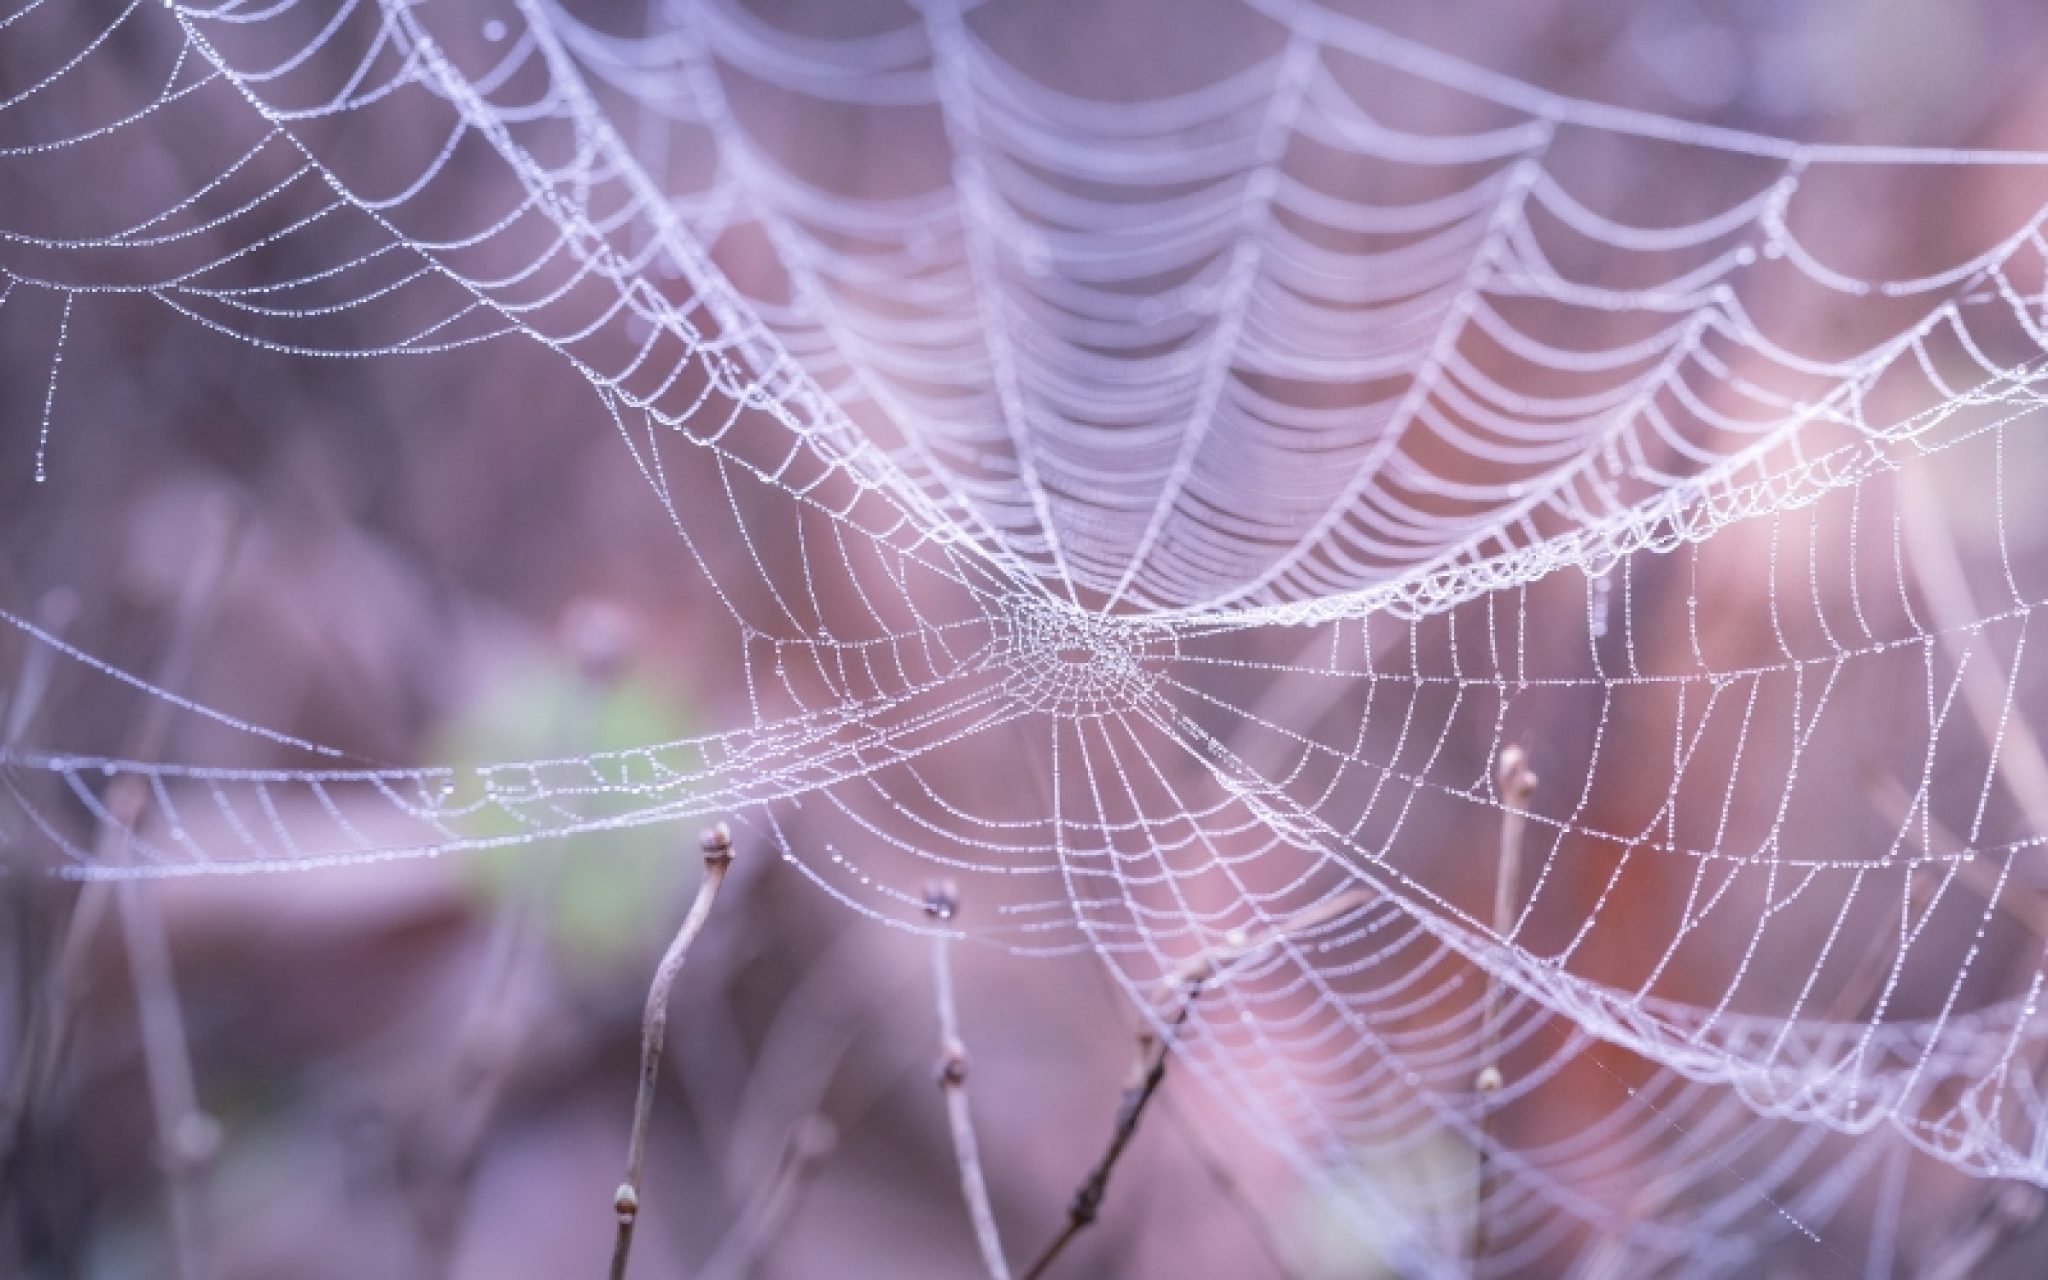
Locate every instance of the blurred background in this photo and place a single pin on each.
(426, 1068)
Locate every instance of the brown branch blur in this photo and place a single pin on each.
(1180, 990)
(739, 1253)
(185, 1136)
(1148, 1075)
(54, 614)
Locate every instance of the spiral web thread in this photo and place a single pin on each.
(1256, 470)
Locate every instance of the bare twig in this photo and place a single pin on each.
(940, 902)
(54, 614)
(186, 1136)
(795, 1060)
(2008, 1211)
(443, 1142)
(1179, 992)
(810, 1141)
(1148, 1075)
(1516, 783)
(716, 842)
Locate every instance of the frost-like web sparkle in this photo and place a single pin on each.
(1258, 468)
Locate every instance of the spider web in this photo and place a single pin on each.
(1253, 464)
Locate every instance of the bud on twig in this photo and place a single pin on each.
(716, 842)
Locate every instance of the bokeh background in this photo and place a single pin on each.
(426, 1067)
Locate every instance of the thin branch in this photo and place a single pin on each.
(2008, 1212)
(1183, 987)
(716, 842)
(186, 1136)
(941, 901)
(1150, 1073)
(443, 1141)
(1516, 783)
(739, 1253)
(54, 613)
(795, 1060)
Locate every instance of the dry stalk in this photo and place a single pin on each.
(795, 1061)
(1179, 992)
(1147, 1076)
(186, 1136)
(716, 842)
(1517, 783)
(2008, 1211)
(941, 901)
(810, 1141)
(54, 614)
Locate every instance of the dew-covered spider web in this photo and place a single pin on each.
(1164, 511)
